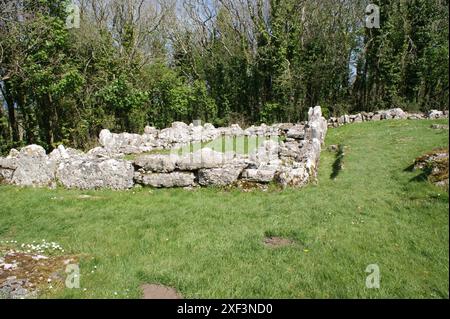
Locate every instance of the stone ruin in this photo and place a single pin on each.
(392, 114)
(287, 154)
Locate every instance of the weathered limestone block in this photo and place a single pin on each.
(297, 132)
(179, 133)
(91, 173)
(204, 158)
(415, 116)
(264, 130)
(33, 168)
(151, 131)
(344, 119)
(233, 130)
(58, 154)
(163, 180)
(6, 175)
(13, 153)
(209, 127)
(268, 151)
(196, 133)
(7, 167)
(376, 117)
(223, 176)
(434, 114)
(126, 143)
(294, 177)
(358, 118)
(8, 163)
(157, 163)
(398, 114)
(316, 131)
(309, 150)
(101, 152)
(263, 174)
(106, 139)
(290, 149)
(209, 133)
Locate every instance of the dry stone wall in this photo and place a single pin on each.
(287, 154)
(392, 114)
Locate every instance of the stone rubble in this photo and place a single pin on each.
(392, 114)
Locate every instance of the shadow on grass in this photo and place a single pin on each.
(422, 177)
(339, 162)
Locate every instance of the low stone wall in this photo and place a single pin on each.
(177, 136)
(288, 154)
(393, 114)
(73, 169)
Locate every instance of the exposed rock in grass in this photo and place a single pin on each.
(333, 148)
(439, 127)
(435, 165)
(24, 274)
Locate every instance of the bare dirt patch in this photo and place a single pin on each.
(152, 291)
(277, 242)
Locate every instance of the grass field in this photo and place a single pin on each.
(240, 145)
(208, 243)
(243, 145)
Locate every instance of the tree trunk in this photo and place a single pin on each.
(6, 91)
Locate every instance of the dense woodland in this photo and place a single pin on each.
(133, 63)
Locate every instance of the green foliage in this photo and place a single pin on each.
(272, 66)
(172, 98)
(126, 103)
(271, 113)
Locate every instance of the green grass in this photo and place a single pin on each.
(208, 243)
(240, 145)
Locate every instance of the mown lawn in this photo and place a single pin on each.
(208, 243)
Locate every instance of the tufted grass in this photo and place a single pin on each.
(209, 243)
